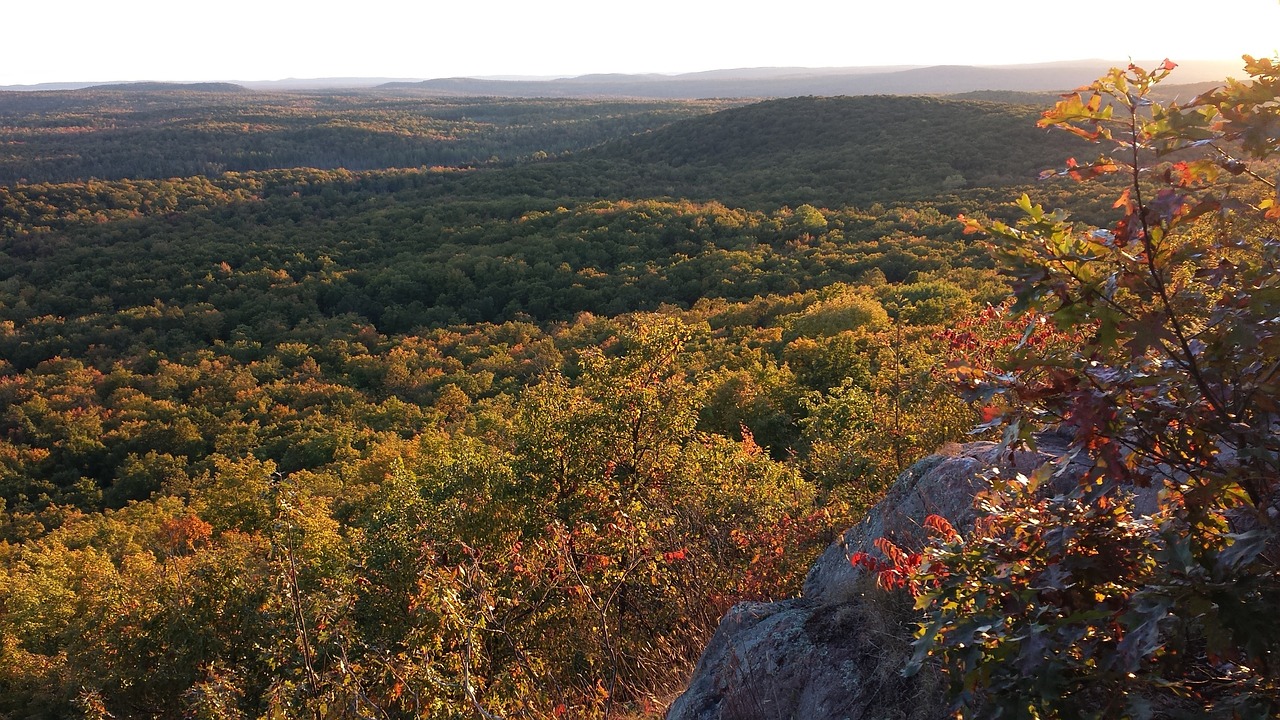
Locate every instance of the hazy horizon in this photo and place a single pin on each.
(1193, 70)
(76, 41)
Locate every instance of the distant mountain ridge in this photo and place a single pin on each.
(794, 82)
(220, 87)
(756, 82)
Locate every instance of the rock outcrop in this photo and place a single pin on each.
(836, 651)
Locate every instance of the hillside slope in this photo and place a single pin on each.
(148, 130)
(828, 151)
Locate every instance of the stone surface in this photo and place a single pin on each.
(798, 659)
(836, 651)
(941, 484)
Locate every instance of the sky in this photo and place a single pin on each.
(195, 40)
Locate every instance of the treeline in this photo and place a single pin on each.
(113, 134)
(827, 152)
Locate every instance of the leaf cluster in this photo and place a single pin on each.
(1094, 602)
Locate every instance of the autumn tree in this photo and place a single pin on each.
(1150, 588)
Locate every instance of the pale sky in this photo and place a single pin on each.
(122, 40)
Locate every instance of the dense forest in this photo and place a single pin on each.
(371, 405)
(140, 132)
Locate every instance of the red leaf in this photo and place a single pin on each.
(941, 527)
(891, 551)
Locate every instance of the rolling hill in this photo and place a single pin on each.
(824, 151)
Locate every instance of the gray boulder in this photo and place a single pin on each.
(797, 659)
(836, 651)
(942, 484)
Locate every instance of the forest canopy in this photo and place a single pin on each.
(351, 405)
